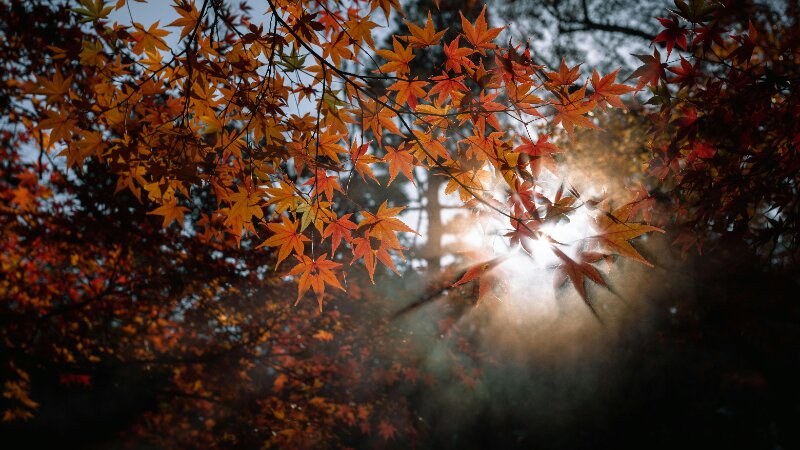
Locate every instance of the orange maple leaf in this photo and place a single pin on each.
(362, 249)
(315, 274)
(361, 160)
(570, 113)
(457, 57)
(421, 38)
(188, 20)
(399, 160)
(284, 196)
(245, 206)
(383, 225)
(446, 86)
(606, 91)
(565, 75)
(408, 91)
(540, 153)
(339, 229)
(324, 183)
(60, 124)
(398, 59)
(386, 6)
(286, 237)
(480, 35)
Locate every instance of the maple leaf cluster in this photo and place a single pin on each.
(724, 146)
(267, 120)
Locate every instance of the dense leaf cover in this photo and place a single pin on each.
(725, 140)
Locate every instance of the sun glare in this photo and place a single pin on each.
(525, 278)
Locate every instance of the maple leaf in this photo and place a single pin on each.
(60, 124)
(286, 237)
(361, 160)
(447, 86)
(481, 111)
(565, 76)
(702, 150)
(383, 225)
(284, 196)
(542, 146)
(480, 271)
(421, 38)
(408, 91)
(642, 202)
(377, 118)
(188, 20)
(673, 33)
(317, 212)
(687, 239)
(697, 10)
(399, 160)
(651, 72)
(457, 58)
(686, 72)
(523, 97)
(315, 274)
(709, 34)
(171, 212)
(398, 59)
(434, 116)
(337, 49)
(386, 6)
(614, 232)
(577, 271)
(540, 153)
(605, 90)
(55, 89)
(324, 183)
(245, 206)
(480, 35)
(328, 145)
(150, 39)
(91, 144)
(571, 112)
(362, 249)
(466, 181)
(360, 29)
(428, 149)
(339, 229)
(93, 10)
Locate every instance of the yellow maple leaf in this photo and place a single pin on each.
(615, 231)
(171, 212)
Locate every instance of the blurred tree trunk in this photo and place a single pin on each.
(433, 209)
